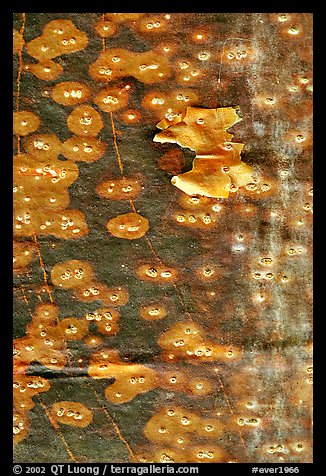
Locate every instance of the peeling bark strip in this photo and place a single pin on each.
(217, 165)
(162, 280)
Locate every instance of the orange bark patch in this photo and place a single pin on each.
(153, 24)
(71, 274)
(173, 380)
(43, 146)
(43, 344)
(72, 328)
(30, 385)
(71, 413)
(83, 149)
(129, 379)
(185, 340)
(39, 171)
(25, 199)
(106, 320)
(123, 17)
(130, 116)
(129, 226)
(169, 105)
(112, 99)
(116, 63)
(23, 255)
(159, 274)
(46, 313)
(58, 37)
(46, 70)
(25, 122)
(93, 341)
(64, 224)
(70, 93)
(85, 121)
(207, 454)
(176, 428)
(94, 290)
(153, 312)
(20, 426)
(105, 28)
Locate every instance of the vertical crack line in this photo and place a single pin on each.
(150, 244)
(58, 431)
(103, 37)
(22, 289)
(43, 268)
(114, 424)
(20, 57)
(114, 133)
(132, 205)
(227, 400)
(20, 70)
(180, 298)
(24, 295)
